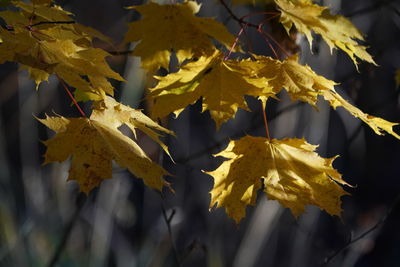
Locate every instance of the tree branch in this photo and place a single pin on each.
(168, 220)
(241, 21)
(373, 228)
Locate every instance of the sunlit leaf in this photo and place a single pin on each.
(94, 143)
(337, 31)
(173, 27)
(289, 171)
(222, 85)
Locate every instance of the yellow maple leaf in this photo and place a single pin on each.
(116, 114)
(173, 27)
(336, 30)
(302, 83)
(94, 143)
(222, 84)
(47, 48)
(379, 125)
(74, 31)
(289, 170)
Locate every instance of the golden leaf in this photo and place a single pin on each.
(116, 114)
(93, 144)
(379, 125)
(302, 83)
(290, 171)
(62, 48)
(222, 84)
(337, 31)
(173, 27)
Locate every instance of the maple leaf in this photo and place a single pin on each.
(289, 169)
(173, 27)
(94, 143)
(63, 49)
(222, 84)
(336, 30)
(300, 81)
(55, 13)
(379, 125)
(116, 114)
(303, 84)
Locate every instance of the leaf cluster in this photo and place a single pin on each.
(45, 40)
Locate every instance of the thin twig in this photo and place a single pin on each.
(373, 228)
(11, 28)
(168, 220)
(67, 231)
(233, 15)
(243, 23)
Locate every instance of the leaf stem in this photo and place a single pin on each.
(72, 98)
(266, 34)
(258, 27)
(235, 43)
(233, 15)
(265, 119)
(271, 47)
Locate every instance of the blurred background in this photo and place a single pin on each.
(45, 221)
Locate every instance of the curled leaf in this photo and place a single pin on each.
(337, 31)
(303, 84)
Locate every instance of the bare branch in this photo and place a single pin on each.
(373, 228)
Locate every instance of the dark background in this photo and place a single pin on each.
(122, 223)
